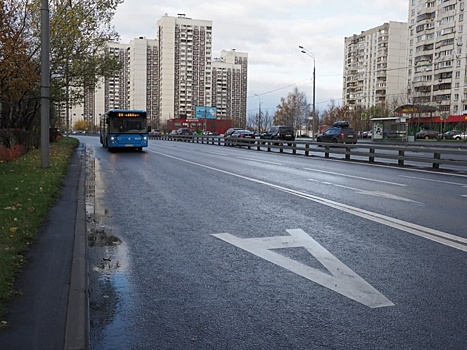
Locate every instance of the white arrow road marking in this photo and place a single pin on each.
(377, 194)
(369, 193)
(259, 161)
(342, 279)
(355, 177)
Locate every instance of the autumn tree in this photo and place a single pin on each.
(333, 113)
(19, 67)
(79, 125)
(79, 31)
(293, 110)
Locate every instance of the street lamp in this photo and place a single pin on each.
(310, 54)
(259, 113)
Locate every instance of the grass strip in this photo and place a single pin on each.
(27, 191)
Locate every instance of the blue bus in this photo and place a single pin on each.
(124, 129)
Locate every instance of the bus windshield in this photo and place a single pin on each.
(126, 125)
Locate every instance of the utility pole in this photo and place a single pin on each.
(259, 113)
(45, 84)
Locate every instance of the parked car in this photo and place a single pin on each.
(449, 135)
(427, 134)
(229, 131)
(340, 132)
(156, 133)
(184, 131)
(366, 134)
(241, 136)
(462, 136)
(279, 132)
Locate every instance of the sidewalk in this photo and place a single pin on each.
(51, 311)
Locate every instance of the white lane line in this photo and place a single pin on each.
(425, 232)
(356, 177)
(439, 181)
(340, 279)
(259, 161)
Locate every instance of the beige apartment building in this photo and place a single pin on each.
(135, 87)
(375, 67)
(171, 75)
(437, 73)
(229, 95)
(190, 77)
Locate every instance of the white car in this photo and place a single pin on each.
(462, 136)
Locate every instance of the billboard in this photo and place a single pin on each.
(203, 112)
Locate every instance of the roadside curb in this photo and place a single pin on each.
(77, 321)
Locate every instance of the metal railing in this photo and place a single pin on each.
(372, 152)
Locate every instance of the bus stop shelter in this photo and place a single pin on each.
(391, 128)
(413, 114)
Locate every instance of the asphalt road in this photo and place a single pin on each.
(206, 247)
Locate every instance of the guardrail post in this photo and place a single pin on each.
(347, 152)
(307, 149)
(326, 151)
(269, 146)
(437, 156)
(372, 151)
(294, 148)
(401, 154)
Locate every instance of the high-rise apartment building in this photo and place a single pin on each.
(171, 75)
(229, 93)
(134, 87)
(375, 67)
(437, 55)
(185, 65)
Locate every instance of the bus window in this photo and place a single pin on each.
(116, 125)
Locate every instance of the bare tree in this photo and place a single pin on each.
(293, 110)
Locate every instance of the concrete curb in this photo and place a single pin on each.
(77, 322)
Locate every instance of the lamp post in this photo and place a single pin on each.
(259, 113)
(310, 54)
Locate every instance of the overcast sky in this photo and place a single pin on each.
(270, 31)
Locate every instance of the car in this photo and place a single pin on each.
(156, 133)
(340, 132)
(241, 136)
(184, 131)
(366, 134)
(427, 134)
(462, 136)
(279, 132)
(230, 131)
(449, 135)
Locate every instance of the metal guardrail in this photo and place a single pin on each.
(435, 156)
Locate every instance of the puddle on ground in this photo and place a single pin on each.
(109, 290)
